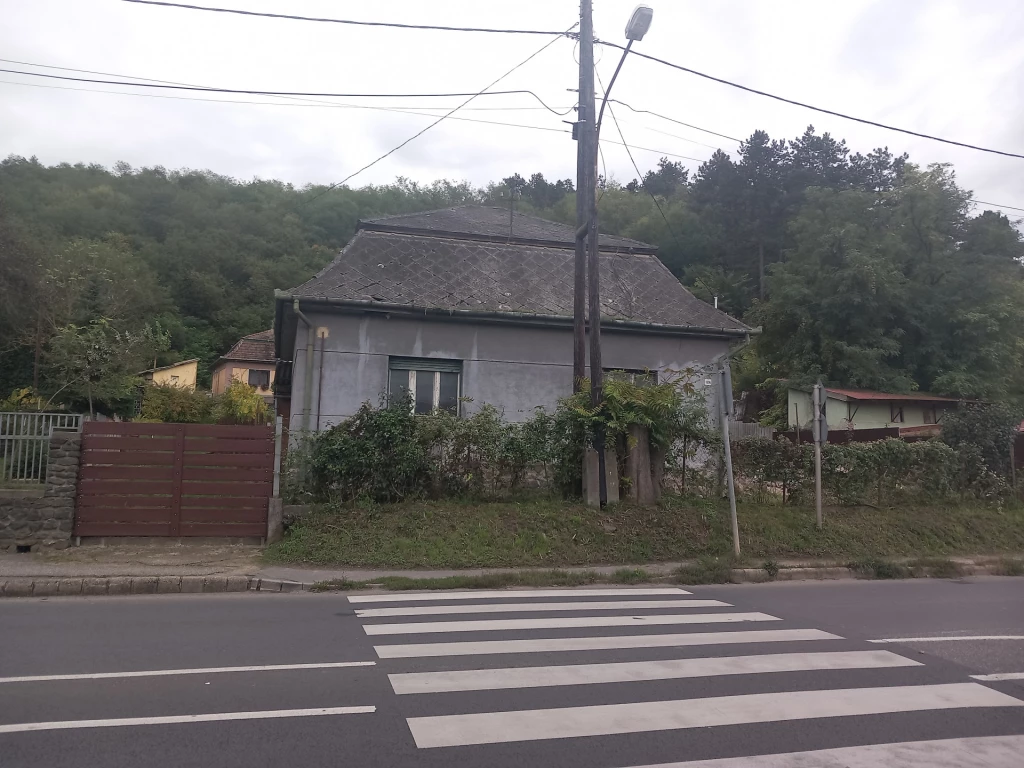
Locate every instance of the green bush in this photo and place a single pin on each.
(882, 472)
(378, 454)
(168, 403)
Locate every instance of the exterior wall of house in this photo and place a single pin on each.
(513, 368)
(183, 375)
(864, 414)
(228, 372)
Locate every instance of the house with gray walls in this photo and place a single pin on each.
(472, 305)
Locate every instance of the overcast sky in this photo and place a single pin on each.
(951, 68)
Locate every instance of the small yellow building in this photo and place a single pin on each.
(182, 374)
(251, 361)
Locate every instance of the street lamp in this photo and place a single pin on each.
(639, 24)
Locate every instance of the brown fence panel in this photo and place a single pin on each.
(174, 480)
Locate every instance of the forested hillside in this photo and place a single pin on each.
(865, 269)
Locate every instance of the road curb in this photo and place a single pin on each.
(169, 585)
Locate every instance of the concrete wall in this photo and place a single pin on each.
(44, 516)
(513, 368)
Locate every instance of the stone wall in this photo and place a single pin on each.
(31, 518)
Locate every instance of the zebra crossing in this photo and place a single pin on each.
(573, 670)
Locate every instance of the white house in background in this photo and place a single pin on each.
(917, 413)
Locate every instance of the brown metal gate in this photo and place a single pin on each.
(174, 480)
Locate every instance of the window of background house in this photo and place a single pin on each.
(433, 384)
(930, 416)
(259, 379)
(895, 413)
(642, 378)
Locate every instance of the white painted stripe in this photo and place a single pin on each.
(636, 671)
(425, 627)
(1001, 676)
(556, 645)
(515, 594)
(60, 725)
(977, 752)
(200, 671)
(642, 717)
(945, 638)
(613, 605)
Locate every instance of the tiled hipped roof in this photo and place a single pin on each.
(494, 223)
(254, 348)
(474, 258)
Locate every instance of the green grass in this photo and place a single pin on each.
(551, 533)
(552, 578)
(707, 570)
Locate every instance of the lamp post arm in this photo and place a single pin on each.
(604, 102)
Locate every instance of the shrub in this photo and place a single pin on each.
(167, 403)
(241, 404)
(378, 453)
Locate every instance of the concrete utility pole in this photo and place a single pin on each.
(584, 136)
(724, 412)
(586, 222)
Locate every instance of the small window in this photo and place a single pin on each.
(641, 377)
(930, 416)
(259, 379)
(174, 379)
(433, 384)
(895, 413)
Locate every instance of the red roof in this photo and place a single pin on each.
(864, 394)
(255, 348)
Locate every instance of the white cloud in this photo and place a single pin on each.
(949, 68)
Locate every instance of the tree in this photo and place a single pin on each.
(97, 362)
(670, 177)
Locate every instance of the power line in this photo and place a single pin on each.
(997, 205)
(352, 22)
(196, 85)
(314, 105)
(670, 119)
(248, 92)
(439, 120)
(814, 108)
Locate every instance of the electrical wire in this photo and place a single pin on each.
(567, 110)
(670, 119)
(395, 25)
(997, 205)
(208, 89)
(811, 106)
(439, 120)
(316, 105)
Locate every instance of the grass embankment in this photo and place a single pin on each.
(552, 533)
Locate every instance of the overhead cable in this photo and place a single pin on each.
(249, 92)
(396, 25)
(814, 108)
(439, 120)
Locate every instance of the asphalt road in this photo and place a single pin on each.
(613, 678)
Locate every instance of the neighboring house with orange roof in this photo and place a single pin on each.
(251, 361)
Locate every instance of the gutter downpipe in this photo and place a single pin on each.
(307, 382)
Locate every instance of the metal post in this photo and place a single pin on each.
(724, 409)
(817, 427)
(278, 432)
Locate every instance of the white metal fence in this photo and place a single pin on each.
(25, 444)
